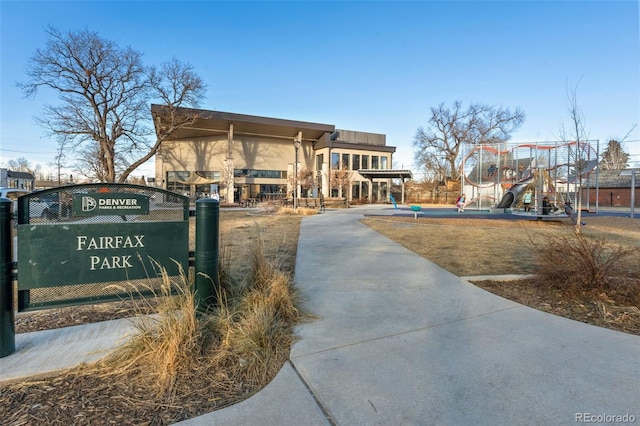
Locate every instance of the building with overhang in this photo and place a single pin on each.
(243, 156)
(12, 179)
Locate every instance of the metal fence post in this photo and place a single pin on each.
(207, 252)
(7, 324)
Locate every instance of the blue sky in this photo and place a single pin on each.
(372, 66)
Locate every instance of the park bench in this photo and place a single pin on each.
(249, 202)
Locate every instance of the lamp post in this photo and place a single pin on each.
(632, 173)
(296, 143)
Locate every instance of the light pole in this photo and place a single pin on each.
(296, 143)
(632, 173)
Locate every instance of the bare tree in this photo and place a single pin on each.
(306, 180)
(577, 134)
(614, 157)
(437, 148)
(227, 179)
(105, 93)
(23, 165)
(90, 164)
(341, 179)
(59, 162)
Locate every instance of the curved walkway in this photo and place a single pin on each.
(400, 341)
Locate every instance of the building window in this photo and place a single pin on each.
(175, 182)
(272, 191)
(374, 162)
(268, 174)
(345, 161)
(365, 162)
(335, 161)
(355, 161)
(355, 191)
(383, 160)
(319, 161)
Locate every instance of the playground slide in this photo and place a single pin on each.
(512, 195)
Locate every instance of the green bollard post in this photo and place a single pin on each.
(207, 252)
(7, 324)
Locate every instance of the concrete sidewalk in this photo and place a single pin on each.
(399, 340)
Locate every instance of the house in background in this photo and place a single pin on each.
(21, 180)
(243, 156)
(614, 189)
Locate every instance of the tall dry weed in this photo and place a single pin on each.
(166, 345)
(243, 340)
(256, 329)
(301, 211)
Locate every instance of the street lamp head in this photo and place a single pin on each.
(297, 140)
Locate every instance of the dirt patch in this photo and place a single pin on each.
(608, 310)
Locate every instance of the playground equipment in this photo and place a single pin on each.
(415, 210)
(502, 175)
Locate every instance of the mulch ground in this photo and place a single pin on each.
(610, 309)
(93, 395)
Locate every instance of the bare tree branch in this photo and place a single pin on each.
(437, 148)
(104, 94)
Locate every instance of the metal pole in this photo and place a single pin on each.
(295, 184)
(480, 187)
(7, 323)
(597, 177)
(633, 192)
(296, 143)
(207, 253)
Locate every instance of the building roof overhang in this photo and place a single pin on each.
(205, 123)
(327, 143)
(385, 174)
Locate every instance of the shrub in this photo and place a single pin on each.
(302, 211)
(243, 340)
(578, 263)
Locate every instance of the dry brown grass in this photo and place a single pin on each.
(469, 246)
(301, 211)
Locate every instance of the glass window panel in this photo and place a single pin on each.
(355, 161)
(345, 161)
(335, 160)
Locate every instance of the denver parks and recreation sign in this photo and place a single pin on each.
(109, 204)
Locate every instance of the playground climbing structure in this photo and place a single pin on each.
(500, 175)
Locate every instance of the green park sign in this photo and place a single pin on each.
(64, 254)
